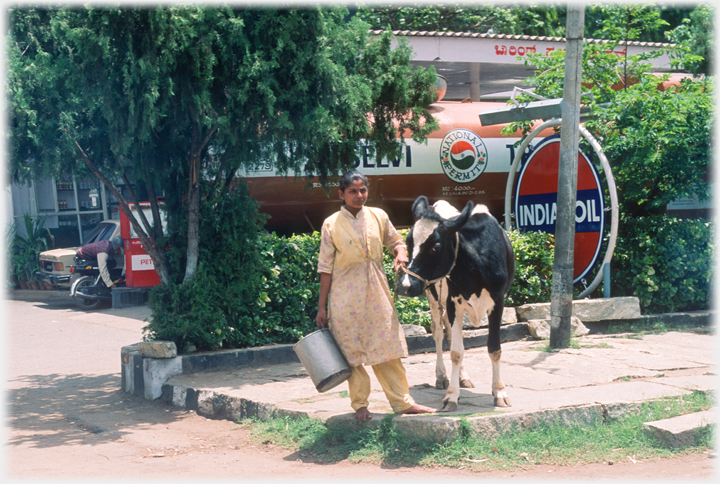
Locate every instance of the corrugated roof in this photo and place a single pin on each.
(537, 38)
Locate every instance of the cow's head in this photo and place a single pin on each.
(431, 244)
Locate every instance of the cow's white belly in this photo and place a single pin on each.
(477, 307)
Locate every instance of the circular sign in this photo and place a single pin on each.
(463, 155)
(536, 202)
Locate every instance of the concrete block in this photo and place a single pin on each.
(540, 328)
(588, 310)
(492, 426)
(413, 330)
(125, 297)
(157, 349)
(680, 431)
(430, 428)
(607, 309)
(127, 380)
(539, 311)
(156, 371)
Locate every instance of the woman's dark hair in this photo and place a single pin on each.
(350, 177)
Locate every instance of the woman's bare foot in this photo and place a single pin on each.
(363, 414)
(415, 409)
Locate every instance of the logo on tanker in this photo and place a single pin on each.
(463, 155)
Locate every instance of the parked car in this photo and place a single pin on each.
(56, 264)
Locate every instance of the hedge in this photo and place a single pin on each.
(665, 262)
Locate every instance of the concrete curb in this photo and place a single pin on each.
(681, 431)
(676, 433)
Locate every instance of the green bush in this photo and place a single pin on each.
(260, 288)
(534, 256)
(24, 250)
(665, 262)
(290, 286)
(215, 309)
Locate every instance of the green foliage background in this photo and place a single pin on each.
(263, 289)
(255, 288)
(665, 262)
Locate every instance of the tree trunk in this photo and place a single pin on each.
(197, 145)
(193, 231)
(157, 256)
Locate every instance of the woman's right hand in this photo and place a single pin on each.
(321, 318)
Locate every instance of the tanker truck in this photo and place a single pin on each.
(461, 161)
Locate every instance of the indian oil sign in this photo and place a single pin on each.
(536, 202)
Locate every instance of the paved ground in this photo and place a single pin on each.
(601, 377)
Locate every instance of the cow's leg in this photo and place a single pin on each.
(457, 350)
(465, 381)
(498, 388)
(438, 330)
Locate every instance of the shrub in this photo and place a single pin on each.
(263, 289)
(665, 262)
(24, 249)
(215, 309)
(534, 256)
(290, 286)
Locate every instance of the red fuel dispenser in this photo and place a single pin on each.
(139, 267)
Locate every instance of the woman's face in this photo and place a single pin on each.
(354, 196)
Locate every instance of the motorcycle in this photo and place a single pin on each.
(89, 290)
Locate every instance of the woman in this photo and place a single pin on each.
(355, 298)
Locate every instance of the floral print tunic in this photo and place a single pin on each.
(362, 316)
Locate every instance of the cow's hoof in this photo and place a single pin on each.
(502, 401)
(442, 383)
(466, 383)
(448, 406)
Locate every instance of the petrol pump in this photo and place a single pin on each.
(139, 267)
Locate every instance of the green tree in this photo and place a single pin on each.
(174, 100)
(522, 19)
(697, 33)
(545, 19)
(657, 140)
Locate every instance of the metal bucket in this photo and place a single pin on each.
(322, 359)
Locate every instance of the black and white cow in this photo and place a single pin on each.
(465, 264)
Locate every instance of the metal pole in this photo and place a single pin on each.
(606, 280)
(562, 282)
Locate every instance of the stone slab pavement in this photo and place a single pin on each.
(603, 378)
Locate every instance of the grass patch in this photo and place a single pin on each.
(549, 444)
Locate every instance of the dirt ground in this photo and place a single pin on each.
(102, 432)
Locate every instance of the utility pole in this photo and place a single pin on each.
(562, 281)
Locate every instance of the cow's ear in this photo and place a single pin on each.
(455, 224)
(420, 206)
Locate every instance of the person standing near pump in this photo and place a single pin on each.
(102, 250)
(355, 299)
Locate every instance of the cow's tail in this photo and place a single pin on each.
(510, 259)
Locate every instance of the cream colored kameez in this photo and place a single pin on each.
(361, 313)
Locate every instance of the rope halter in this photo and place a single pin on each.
(427, 283)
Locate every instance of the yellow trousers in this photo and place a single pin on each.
(391, 376)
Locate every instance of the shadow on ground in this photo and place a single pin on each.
(56, 410)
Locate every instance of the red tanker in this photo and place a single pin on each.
(461, 161)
